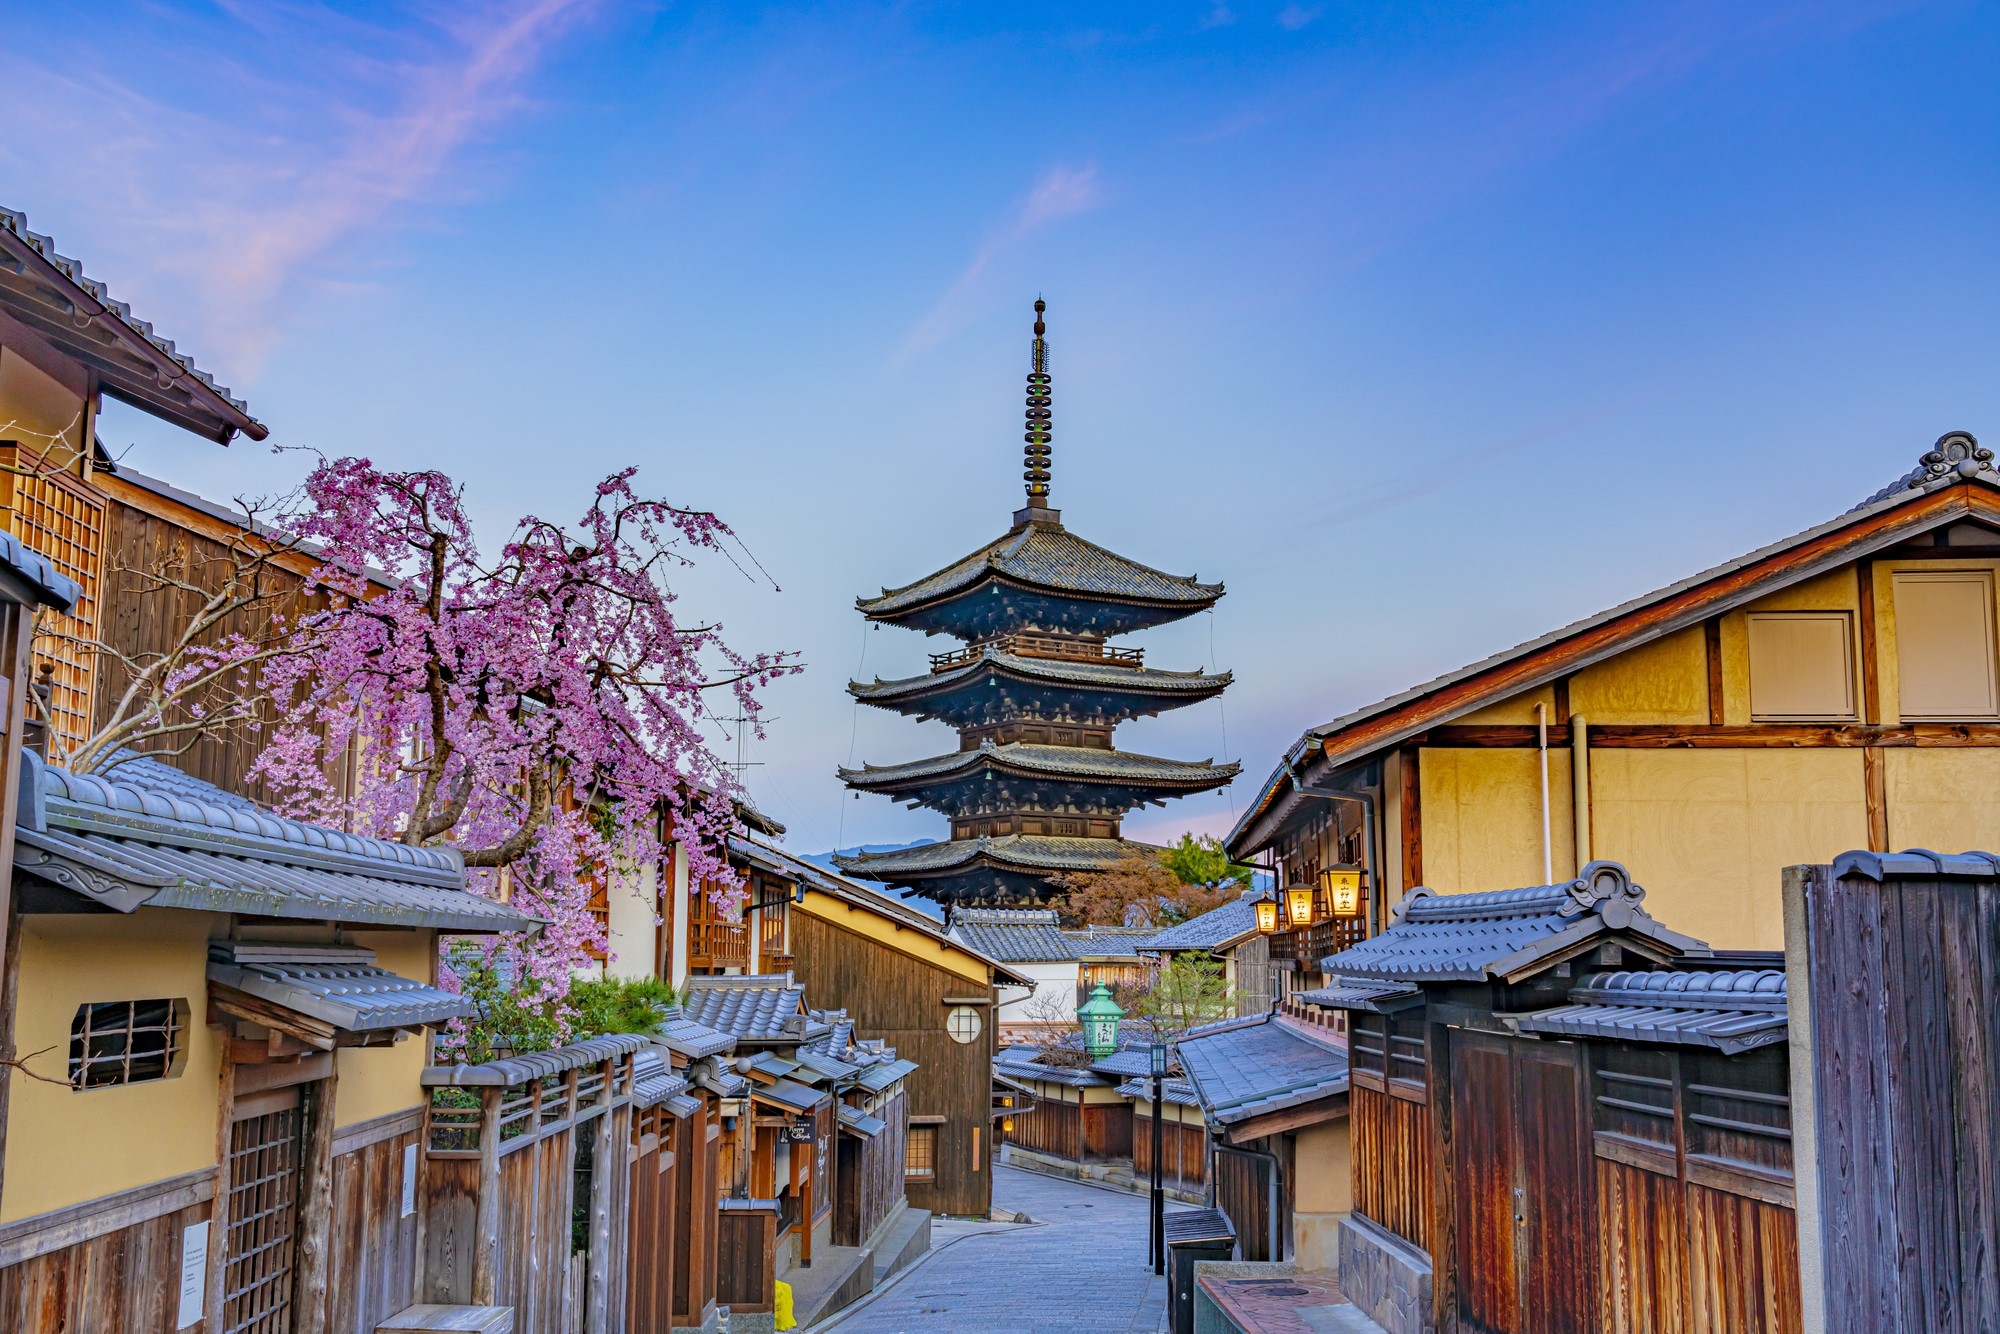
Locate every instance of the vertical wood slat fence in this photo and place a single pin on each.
(1183, 1152)
(1898, 957)
(504, 1171)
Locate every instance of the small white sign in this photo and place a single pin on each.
(409, 1179)
(194, 1273)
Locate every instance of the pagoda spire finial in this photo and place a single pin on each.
(1036, 459)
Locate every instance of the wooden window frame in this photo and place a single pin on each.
(121, 1021)
(924, 1133)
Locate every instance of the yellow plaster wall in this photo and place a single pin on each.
(65, 1147)
(35, 406)
(374, 1081)
(1326, 1177)
(1517, 709)
(1665, 681)
(1707, 832)
(1482, 818)
(1944, 800)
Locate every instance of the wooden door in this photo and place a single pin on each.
(1522, 1203)
(266, 1153)
(1483, 1176)
(1558, 1278)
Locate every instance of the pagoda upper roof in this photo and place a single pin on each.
(1035, 854)
(925, 694)
(1047, 558)
(1083, 764)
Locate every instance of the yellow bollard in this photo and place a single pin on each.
(781, 1307)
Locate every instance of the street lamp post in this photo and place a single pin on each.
(1159, 1142)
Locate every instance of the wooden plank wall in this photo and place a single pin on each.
(1392, 1162)
(1243, 1194)
(1107, 1130)
(135, 622)
(1053, 1128)
(127, 1281)
(371, 1270)
(694, 1214)
(877, 1166)
(1183, 1152)
(901, 1000)
(1905, 999)
(746, 1245)
(652, 1250)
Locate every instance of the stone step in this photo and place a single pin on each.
(838, 1275)
(901, 1242)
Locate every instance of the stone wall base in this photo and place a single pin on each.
(1386, 1277)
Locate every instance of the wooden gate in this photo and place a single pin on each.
(1522, 1201)
(651, 1238)
(266, 1153)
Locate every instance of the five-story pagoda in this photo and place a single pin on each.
(1036, 786)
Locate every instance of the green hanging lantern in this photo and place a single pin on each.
(1099, 1016)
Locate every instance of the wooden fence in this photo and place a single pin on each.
(1899, 959)
(1183, 1152)
(527, 1183)
(746, 1254)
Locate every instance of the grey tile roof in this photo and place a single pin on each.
(766, 1063)
(751, 1008)
(875, 1078)
(1473, 937)
(1066, 762)
(682, 1106)
(1025, 852)
(793, 1097)
(995, 661)
(1215, 929)
(861, 1123)
(88, 302)
(684, 1037)
(1370, 994)
(1103, 943)
(121, 844)
(1730, 1011)
(1247, 1067)
(1955, 457)
(1011, 1062)
(1049, 557)
(45, 583)
(339, 985)
(511, 1070)
(825, 1069)
(1125, 1064)
(1176, 1091)
(653, 1079)
(1013, 935)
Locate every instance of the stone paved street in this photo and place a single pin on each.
(1079, 1268)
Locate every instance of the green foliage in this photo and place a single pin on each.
(518, 1012)
(619, 1005)
(1192, 989)
(1201, 861)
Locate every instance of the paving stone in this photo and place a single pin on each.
(1079, 1268)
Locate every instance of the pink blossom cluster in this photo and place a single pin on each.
(541, 712)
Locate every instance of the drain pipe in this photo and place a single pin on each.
(1579, 763)
(1277, 1228)
(1542, 746)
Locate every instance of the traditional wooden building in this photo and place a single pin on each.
(1230, 935)
(1839, 688)
(1036, 786)
(1566, 1117)
(1273, 1090)
(228, 1009)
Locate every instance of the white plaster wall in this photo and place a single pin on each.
(634, 902)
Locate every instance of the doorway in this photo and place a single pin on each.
(266, 1161)
(1522, 1199)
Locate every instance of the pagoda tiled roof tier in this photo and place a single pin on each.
(1041, 576)
(1014, 868)
(1040, 777)
(998, 686)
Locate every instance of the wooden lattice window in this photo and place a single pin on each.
(920, 1152)
(125, 1042)
(55, 515)
(258, 1270)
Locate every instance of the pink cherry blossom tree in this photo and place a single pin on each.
(540, 708)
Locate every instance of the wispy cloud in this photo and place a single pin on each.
(1060, 192)
(309, 130)
(1293, 17)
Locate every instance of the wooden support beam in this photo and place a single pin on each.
(1732, 736)
(316, 1210)
(1413, 819)
(486, 1216)
(1711, 635)
(315, 1033)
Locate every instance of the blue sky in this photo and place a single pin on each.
(1425, 327)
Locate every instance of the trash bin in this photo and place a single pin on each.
(1193, 1234)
